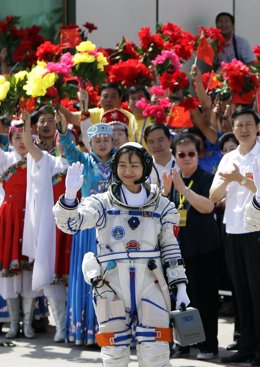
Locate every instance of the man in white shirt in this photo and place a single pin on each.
(234, 181)
(158, 140)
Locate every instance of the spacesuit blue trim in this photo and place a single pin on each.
(154, 304)
(101, 222)
(72, 223)
(112, 319)
(132, 292)
(131, 255)
(138, 213)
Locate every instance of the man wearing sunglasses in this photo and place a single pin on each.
(234, 181)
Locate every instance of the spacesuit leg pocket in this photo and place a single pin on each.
(153, 315)
(111, 315)
(102, 310)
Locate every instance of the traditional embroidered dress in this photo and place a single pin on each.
(80, 320)
(13, 279)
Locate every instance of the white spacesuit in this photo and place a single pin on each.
(252, 212)
(136, 244)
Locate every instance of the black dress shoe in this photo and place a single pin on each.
(237, 358)
(233, 346)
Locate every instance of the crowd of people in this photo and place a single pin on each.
(113, 220)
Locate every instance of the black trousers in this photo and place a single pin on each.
(243, 259)
(202, 274)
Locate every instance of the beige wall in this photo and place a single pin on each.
(115, 18)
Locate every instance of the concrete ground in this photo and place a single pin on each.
(42, 351)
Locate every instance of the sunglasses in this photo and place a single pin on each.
(189, 154)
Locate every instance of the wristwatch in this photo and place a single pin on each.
(243, 181)
(172, 263)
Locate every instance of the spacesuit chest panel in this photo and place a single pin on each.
(130, 230)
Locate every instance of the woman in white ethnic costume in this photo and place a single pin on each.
(135, 244)
(252, 212)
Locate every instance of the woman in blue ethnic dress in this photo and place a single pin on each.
(80, 319)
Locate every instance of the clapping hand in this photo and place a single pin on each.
(74, 180)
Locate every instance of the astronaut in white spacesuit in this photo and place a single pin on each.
(136, 248)
(252, 212)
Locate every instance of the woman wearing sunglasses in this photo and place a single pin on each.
(198, 236)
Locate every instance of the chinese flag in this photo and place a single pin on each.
(179, 118)
(205, 51)
(69, 37)
(213, 81)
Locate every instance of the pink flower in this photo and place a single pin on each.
(170, 57)
(63, 67)
(142, 103)
(157, 90)
(164, 102)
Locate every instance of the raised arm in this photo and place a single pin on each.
(201, 203)
(35, 151)
(75, 117)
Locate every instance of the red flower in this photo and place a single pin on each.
(189, 103)
(129, 73)
(47, 51)
(239, 79)
(26, 50)
(145, 37)
(175, 81)
(90, 27)
(125, 50)
(256, 50)
(27, 104)
(181, 41)
(93, 94)
(68, 103)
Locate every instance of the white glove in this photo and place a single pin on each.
(182, 296)
(74, 180)
(90, 267)
(256, 176)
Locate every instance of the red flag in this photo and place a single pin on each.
(205, 51)
(179, 118)
(245, 98)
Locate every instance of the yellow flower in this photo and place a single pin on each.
(2, 79)
(102, 61)
(84, 57)
(41, 63)
(4, 89)
(39, 81)
(86, 46)
(21, 75)
(49, 80)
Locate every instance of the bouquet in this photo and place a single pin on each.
(130, 72)
(158, 108)
(11, 92)
(88, 64)
(167, 61)
(241, 83)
